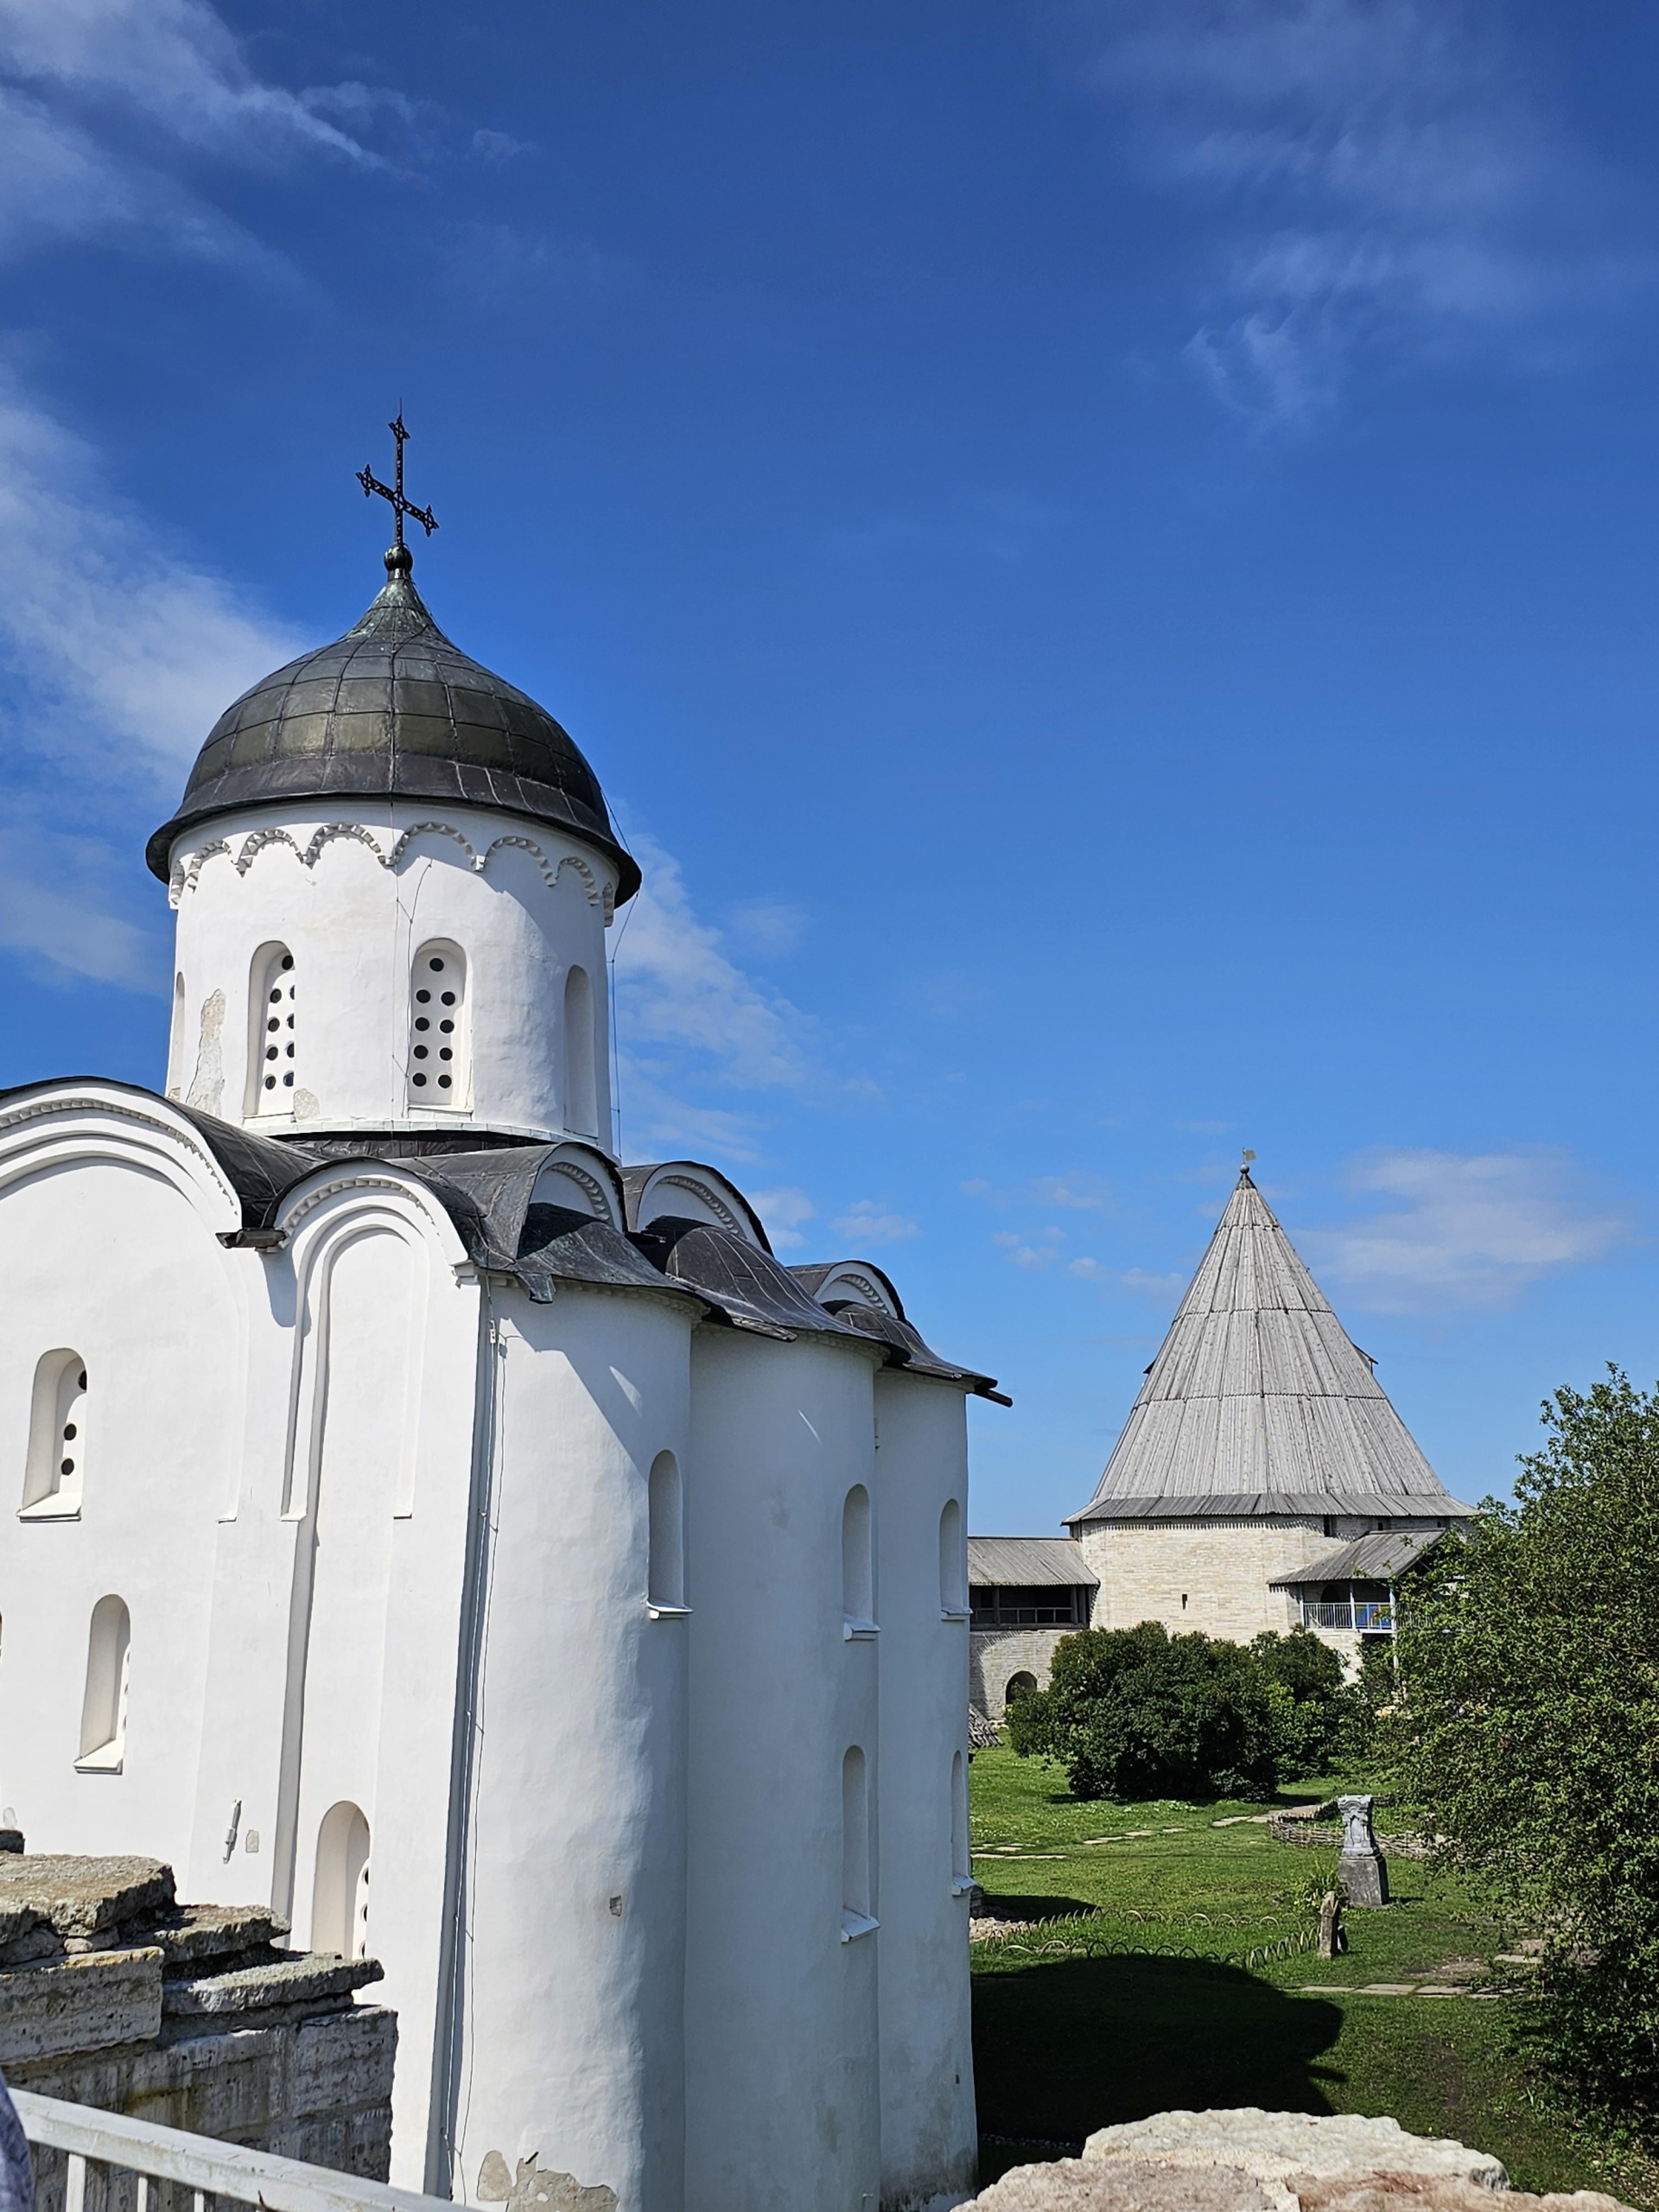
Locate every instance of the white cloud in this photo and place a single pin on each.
(118, 655)
(103, 101)
(127, 652)
(1153, 1286)
(866, 1224)
(175, 62)
(1036, 1250)
(64, 923)
(677, 986)
(1082, 1192)
(497, 146)
(784, 1211)
(1383, 178)
(1462, 1230)
(766, 925)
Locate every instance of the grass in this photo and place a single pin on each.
(1065, 2044)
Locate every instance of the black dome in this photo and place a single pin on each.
(393, 710)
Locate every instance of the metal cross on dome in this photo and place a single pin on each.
(394, 490)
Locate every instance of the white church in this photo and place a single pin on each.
(485, 1553)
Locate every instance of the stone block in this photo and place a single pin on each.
(85, 1897)
(193, 1933)
(303, 1980)
(1271, 2145)
(343, 2061)
(83, 2004)
(1124, 2185)
(1364, 1879)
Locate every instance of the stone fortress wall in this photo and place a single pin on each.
(995, 1655)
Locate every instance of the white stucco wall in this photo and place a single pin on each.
(782, 2038)
(572, 1999)
(353, 896)
(104, 1217)
(929, 2137)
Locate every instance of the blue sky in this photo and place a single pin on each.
(1104, 554)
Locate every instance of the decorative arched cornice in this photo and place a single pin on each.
(601, 1193)
(599, 891)
(698, 1188)
(373, 1184)
(37, 1133)
(852, 1279)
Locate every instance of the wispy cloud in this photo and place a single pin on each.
(1377, 177)
(677, 986)
(118, 655)
(784, 1211)
(174, 62)
(869, 1221)
(694, 1030)
(107, 107)
(1037, 1251)
(54, 913)
(1462, 1230)
(126, 651)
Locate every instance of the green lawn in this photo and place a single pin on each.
(1065, 2045)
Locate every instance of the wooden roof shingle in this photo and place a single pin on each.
(1257, 1392)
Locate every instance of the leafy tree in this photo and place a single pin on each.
(1322, 1720)
(1527, 1728)
(1135, 1712)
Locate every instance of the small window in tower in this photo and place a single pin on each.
(953, 1563)
(856, 1896)
(439, 1061)
(857, 1565)
(665, 1537)
(103, 1704)
(57, 1438)
(581, 1088)
(961, 1864)
(274, 1041)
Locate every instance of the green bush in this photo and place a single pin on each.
(1527, 1729)
(1134, 1712)
(1324, 1721)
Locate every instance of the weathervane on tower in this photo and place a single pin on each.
(394, 492)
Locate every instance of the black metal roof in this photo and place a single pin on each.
(394, 710)
(489, 1196)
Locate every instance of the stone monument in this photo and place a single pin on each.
(1362, 1868)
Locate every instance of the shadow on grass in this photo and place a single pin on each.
(1041, 1905)
(1061, 2050)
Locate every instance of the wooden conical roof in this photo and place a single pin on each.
(1259, 1402)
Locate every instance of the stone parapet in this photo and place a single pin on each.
(113, 1994)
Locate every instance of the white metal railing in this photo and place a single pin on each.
(1369, 1615)
(102, 2162)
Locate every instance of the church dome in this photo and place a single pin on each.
(393, 710)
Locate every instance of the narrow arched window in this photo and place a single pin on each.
(665, 1537)
(175, 1041)
(273, 1044)
(104, 1706)
(953, 1562)
(855, 1842)
(440, 1070)
(1023, 1684)
(857, 1577)
(580, 1092)
(57, 1436)
(340, 1896)
(961, 1864)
